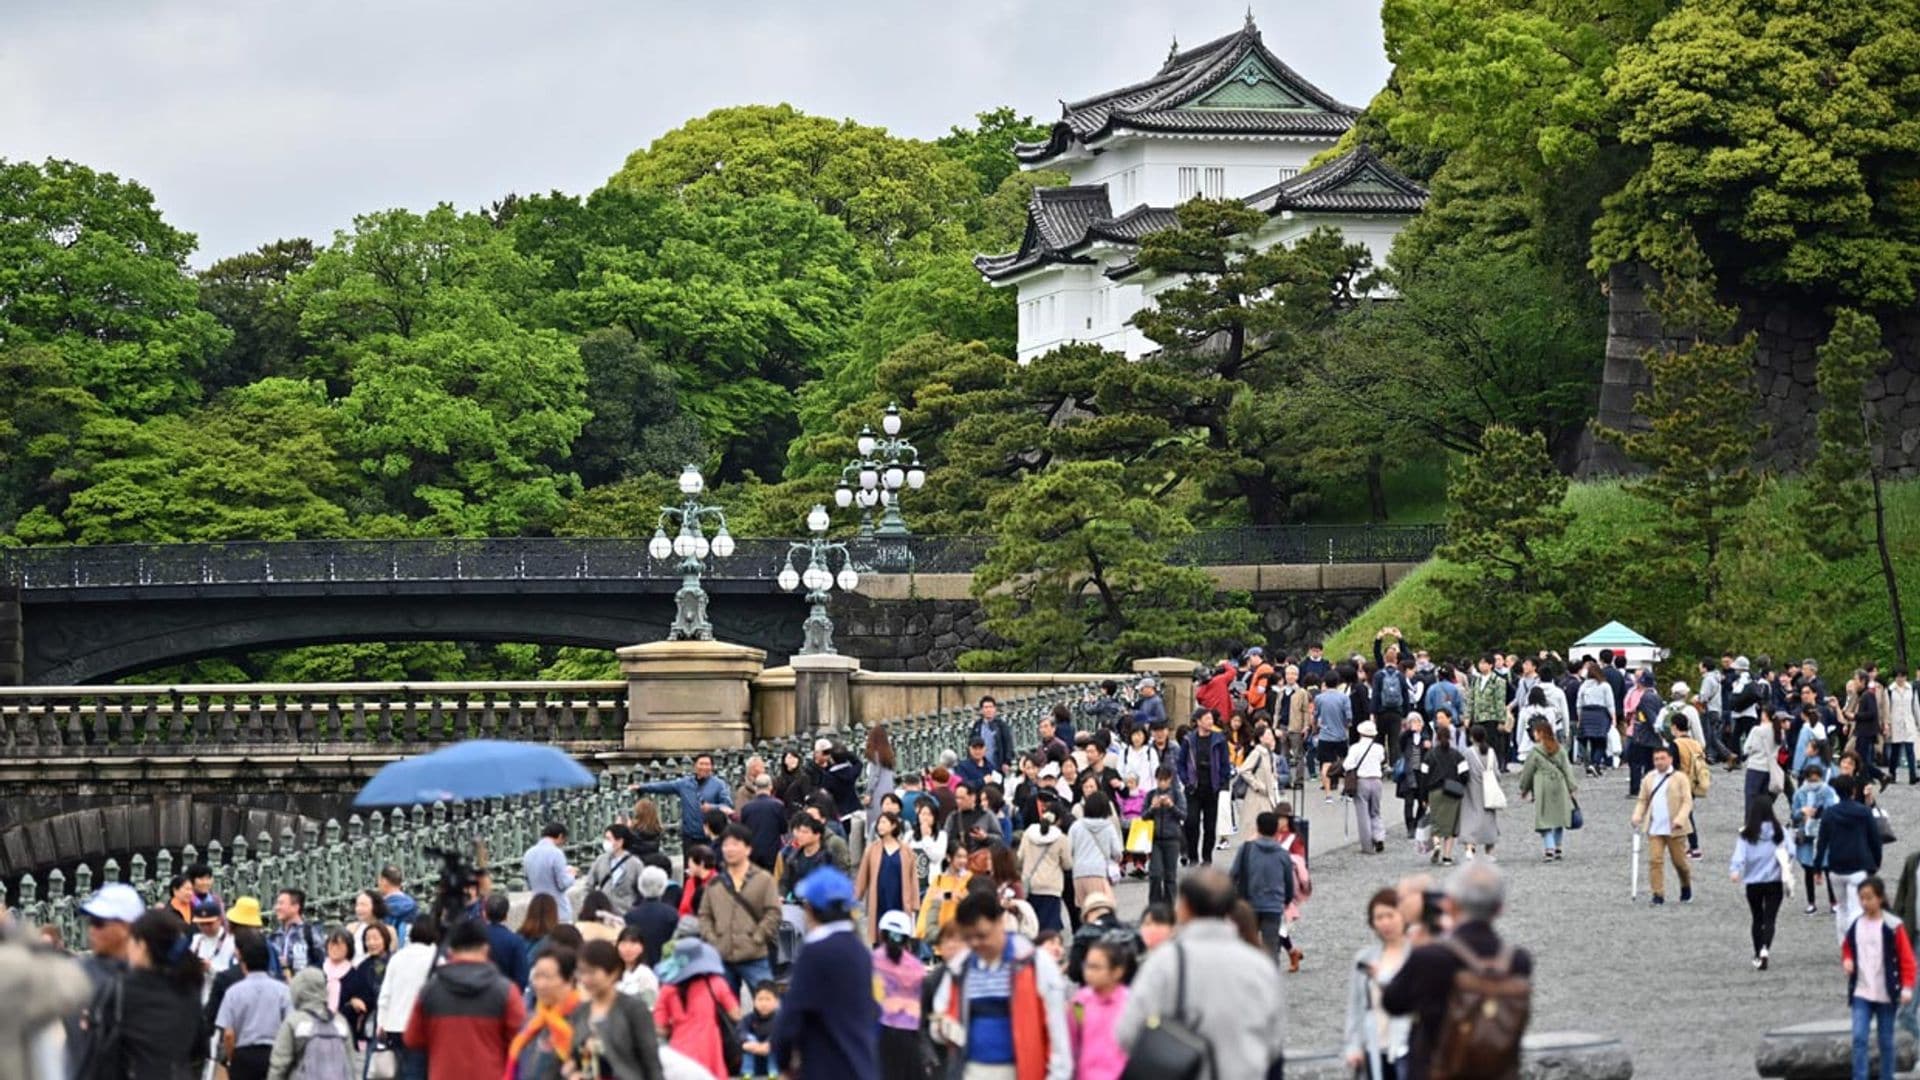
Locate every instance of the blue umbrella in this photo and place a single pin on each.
(475, 769)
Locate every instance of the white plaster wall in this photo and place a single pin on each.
(1155, 163)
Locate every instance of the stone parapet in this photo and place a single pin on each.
(689, 695)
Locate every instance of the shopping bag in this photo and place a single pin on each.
(1140, 837)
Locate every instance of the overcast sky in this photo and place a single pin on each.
(253, 120)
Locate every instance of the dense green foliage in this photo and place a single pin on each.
(1505, 523)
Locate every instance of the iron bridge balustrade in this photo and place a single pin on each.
(551, 559)
(332, 861)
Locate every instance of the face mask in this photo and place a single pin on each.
(606, 846)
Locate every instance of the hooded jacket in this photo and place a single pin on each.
(466, 1016)
(309, 990)
(1045, 860)
(1095, 843)
(1262, 874)
(1849, 841)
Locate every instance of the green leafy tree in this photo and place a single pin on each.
(1697, 446)
(40, 428)
(89, 267)
(1787, 133)
(902, 198)
(637, 425)
(1080, 578)
(261, 462)
(986, 148)
(247, 293)
(1506, 524)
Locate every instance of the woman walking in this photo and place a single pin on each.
(1760, 754)
(880, 776)
(1376, 1041)
(1758, 858)
(1547, 779)
(543, 1050)
(1260, 769)
(612, 1031)
(1095, 845)
(1595, 703)
(159, 1014)
(1046, 862)
(898, 978)
(1479, 811)
(888, 879)
(1809, 802)
(1415, 743)
(1444, 778)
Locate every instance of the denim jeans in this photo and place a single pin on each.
(1163, 870)
(1896, 751)
(1865, 1013)
(746, 975)
(756, 1065)
(1550, 839)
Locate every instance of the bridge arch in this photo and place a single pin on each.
(98, 641)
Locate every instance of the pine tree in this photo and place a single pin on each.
(1505, 524)
(1842, 485)
(1698, 444)
(1082, 577)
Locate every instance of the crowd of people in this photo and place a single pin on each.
(840, 915)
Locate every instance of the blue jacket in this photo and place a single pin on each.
(1849, 839)
(1222, 764)
(1444, 695)
(1263, 875)
(692, 793)
(829, 1018)
(1150, 711)
(401, 911)
(999, 741)
(509, 953)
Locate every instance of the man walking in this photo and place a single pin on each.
(467, 1014)
(699, 793)
(507, 949)
(1487, 706)
(1664, 810)
(250, 1013)
(996, 734)
(1207, 978)
(401, 908)
(296, 944)
(766, 818)
(546, 869)
(740, 910)
(1849, 848)
(1262, 875)
(1207, 770)
(1333, 719)
(829, 1019)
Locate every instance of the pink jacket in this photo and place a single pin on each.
(1092, 1021)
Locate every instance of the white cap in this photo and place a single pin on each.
(115, 902)
(897, 922)
(822, 746)
(1680, 690)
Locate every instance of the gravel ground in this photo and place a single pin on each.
(1598, 956)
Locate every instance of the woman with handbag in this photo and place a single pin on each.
(1760, 858)
(1547, 779)
(1479, 811)
(1444, 775)
(1256, 786)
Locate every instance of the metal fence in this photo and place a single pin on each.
(161, 720)
(549, 559)
(332, 862)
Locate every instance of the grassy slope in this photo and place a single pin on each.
(1602, 511)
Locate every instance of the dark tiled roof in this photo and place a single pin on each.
(1355, 182)
(1165, 101)
(1063, 220)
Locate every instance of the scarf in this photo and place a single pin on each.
(690, 892)
(558, 1021)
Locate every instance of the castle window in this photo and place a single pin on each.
(1189, 182)
(1216, 183)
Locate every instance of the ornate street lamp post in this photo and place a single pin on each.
(819, 579)
(887, 465)
(692, 547)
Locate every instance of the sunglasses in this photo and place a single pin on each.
(98, 923)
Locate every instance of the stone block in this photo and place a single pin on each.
(1245, 578)
(688, 695)
(1290, 577)
(1897, 381)
(1343, 576)
(1546, 1056)
(1819, 1050)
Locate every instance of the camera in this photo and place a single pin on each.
(456, 877)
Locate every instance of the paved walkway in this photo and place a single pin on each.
(1598, 957)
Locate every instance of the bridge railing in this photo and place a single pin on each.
(554, 559)
(162, 720)
(333, 861)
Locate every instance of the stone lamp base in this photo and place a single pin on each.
(689, 695)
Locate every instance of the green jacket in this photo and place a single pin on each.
(1486, 698)
(1549, 779)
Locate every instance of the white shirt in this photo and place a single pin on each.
(1869, 961)
(1365, 758)
(406, 974)
(1660, 813)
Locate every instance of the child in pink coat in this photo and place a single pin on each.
(1096, 1012)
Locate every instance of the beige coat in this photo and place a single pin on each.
(866, 884)
(1046, 861)
(1679, 795)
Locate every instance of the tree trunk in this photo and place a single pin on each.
(1376, 487)
(1886, 570)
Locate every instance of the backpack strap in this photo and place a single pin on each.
(1500, 963)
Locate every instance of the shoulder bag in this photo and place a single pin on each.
(1168, 1048)
(1493, 797)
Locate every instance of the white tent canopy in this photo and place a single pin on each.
(1621, 639)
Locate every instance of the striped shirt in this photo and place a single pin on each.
(989, 1012)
